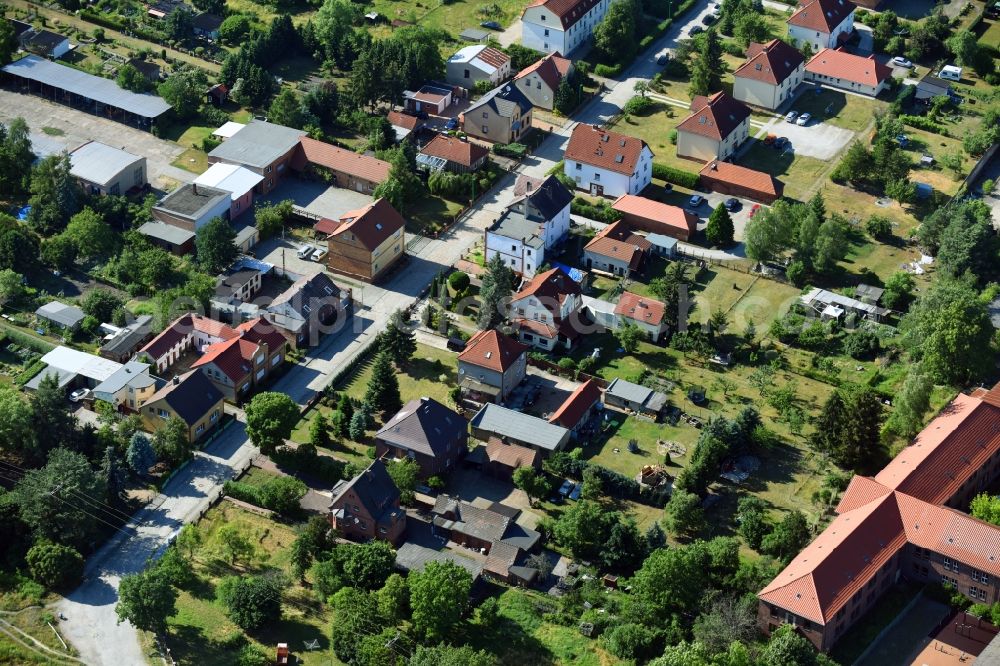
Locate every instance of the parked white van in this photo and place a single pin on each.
(306, 251)
(951, 73)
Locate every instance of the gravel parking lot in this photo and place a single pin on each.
(818, 140)
(318, 198)
(78, 127)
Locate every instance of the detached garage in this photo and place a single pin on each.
(737, 181)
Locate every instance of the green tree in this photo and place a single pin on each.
(398, 339)
(404, 473)
(216, 245)
(751, 519)
(394, 599)
(787, 647)
(132, 79)
(93, 238)
(625, 548)
(669, 582)
(494, 293)
(183, 90)
(319, 432)
(630, 641)
(770, 232)
(171, 442)
(447, 655)
(831, 244)
(584, 528)
(146, 600)
(369, 565)
(59, 252)
(16, 154)
(54, 565)
(720, 230)
(235, 544)
(271, 218)
(286, 109)
(910, 403)
(948, 329)
(968, 244)
(898, 290)
(16, 425)
(8, 42)
(140, 454)
(101, 304)
(615, 37)
(849, 426)
(984, 506)
(357, 613)
(189, 539)
(683, 515)
(706, 73)
(751, 27)
(49, 499)
(438, 596)
(787, 538)
(628, 335)
(55, 194)
(534, 484)
(234, 28)
(383, 386)
(179, 25)
(965, 47)
(11, 286)
(270, 418)
(253, 601)
(402, 186)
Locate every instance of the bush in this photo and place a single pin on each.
(862, 344)
(796, 273)
(515, 151)
(878, 226)
(281, 494)
(676, 176)
(638, 105)
(925, 124)
(458, 281)
(208, 144)
(607, 71)
(602, 212)
(54, 565)
(673, 137)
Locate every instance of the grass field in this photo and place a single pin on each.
(838, 108)
(201, 633)
(990, 36)
(654, 128)
(797, 172)
(428, 214)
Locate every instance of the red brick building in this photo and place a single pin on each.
(367, 507)
(903, 522)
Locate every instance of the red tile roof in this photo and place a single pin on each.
(734, 174)
(494, 57)
(372, 225)
(576, 405)
(181, 328)
(618, 242)
(551, 69)
(903, 503)
(549, 331)
(603, 149)
(656, 212)
(849, 67)
(233, 357)
(568, 11)
(492, 350)
(551, 287)
(315, 152)
(261, 331)
(647, 310)
(771, 63)
(510, 455)
(403, 120)
(715, 117)
(821, 15)
(464, 153)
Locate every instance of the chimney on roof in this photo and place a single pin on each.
(194, 188)
(715, 166)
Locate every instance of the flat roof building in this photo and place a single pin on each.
(191, 206)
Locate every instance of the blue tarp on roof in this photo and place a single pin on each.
(575, 274)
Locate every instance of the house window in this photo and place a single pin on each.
(578, 166)
(950, 565)
(275, 361)
(214, 417)
(513, 248)
(977, 593)
(546, 32)
(200, 429)
(114, 190)
(267, 170)
(162, 413)
(597, 177)
(486, 114)
(486, 130)
(467, 74)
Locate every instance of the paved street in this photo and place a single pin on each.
(79, 127)
(92, 626)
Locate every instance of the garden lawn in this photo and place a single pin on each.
(838, 108)
(654, 128)
(798, 173)
(201, 633)
(760, 304)
(717, 288)
(991, 36)
(428, 214)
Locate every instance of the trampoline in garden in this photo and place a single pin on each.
(739, 469)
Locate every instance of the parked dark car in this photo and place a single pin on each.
(731, 204)
(492, 25)
(456, 344)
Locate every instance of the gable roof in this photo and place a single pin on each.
(741, 176)
(715, 117)
(505, 100)
(618, 242)
(424, 426)
(404, 120)
(551, 69)
(190, 396)
(771, 63)
(61, 313)
(181, 328)
(371, 225)
(129, 337)
(233, 357)
(510, 455)
(671, 216)
(99, 163)
(486, 58)
(567, 11)
(260, 332)
(465, 153)
(641, 309)
(258, 144)
(492, 350)
(502, 422)
(604, 149)
(549, 196)
(291, 308)
(551, 287)
(821, 15)
(469, 519)
(842, 65)
(374, 488)
(311, 151)
(577, 404)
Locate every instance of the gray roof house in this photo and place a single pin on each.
(367, 506)
(129, 386)
(104, 169)
(257, 145)
(518, 428)
(167, 236)
(414, 557)
(310, 304)
(502, 115)
(191, 206)
(122, 345)
(931, 86)
(426, 431)
(61, 314)
(635, 397)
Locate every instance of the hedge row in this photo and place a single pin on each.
(680, 177)
(514, 150)
(607, 71)
(925, 124)
(117, 23)
(280, 494)
(613, 483)
(602, 212)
